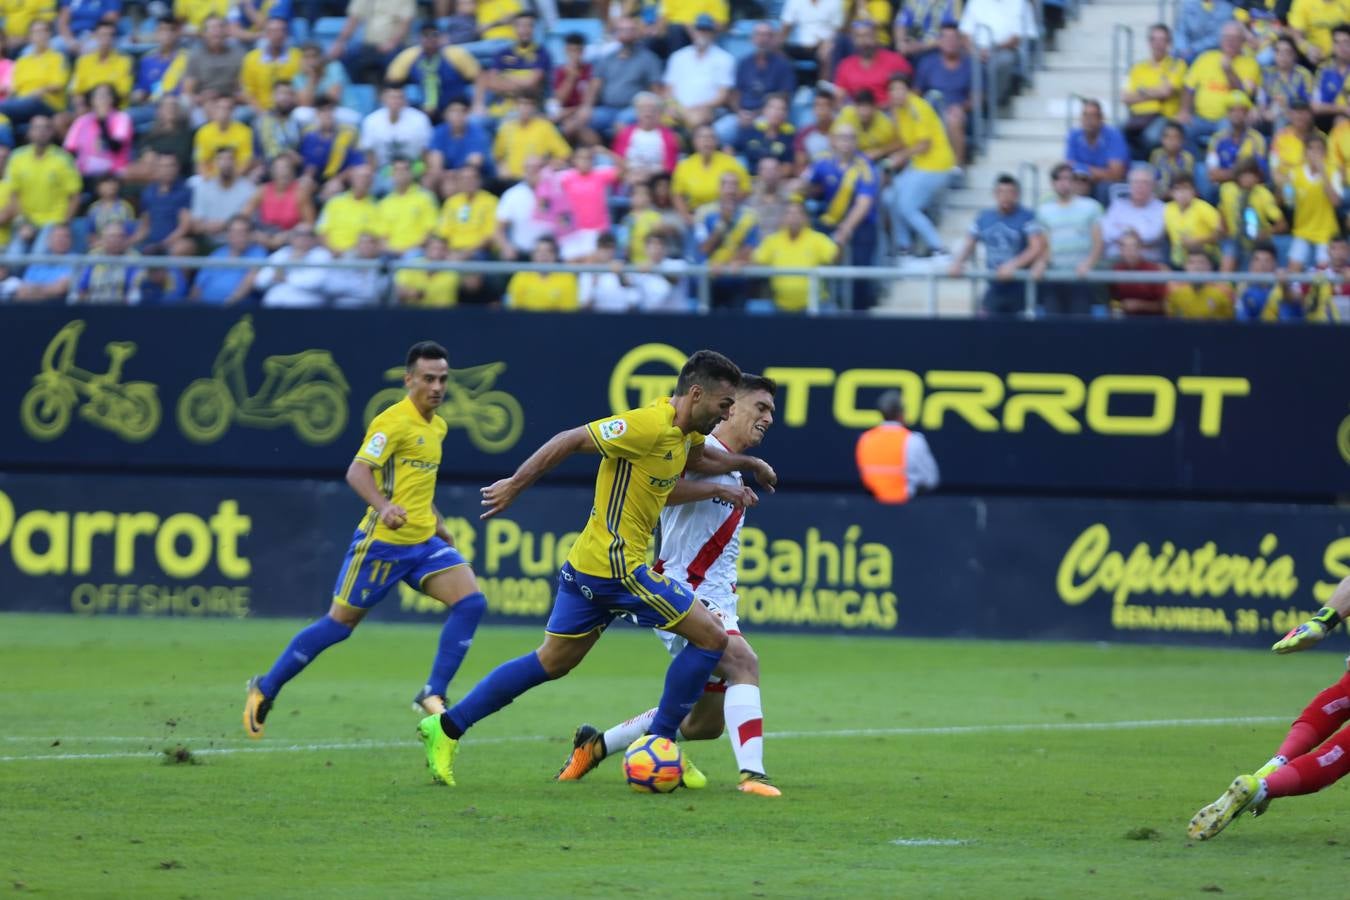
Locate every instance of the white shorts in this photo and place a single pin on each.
(724, 608)
(1300, 251)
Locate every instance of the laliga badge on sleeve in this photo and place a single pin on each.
(613, 429)
(376, 445)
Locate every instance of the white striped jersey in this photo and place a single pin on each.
(701, 541)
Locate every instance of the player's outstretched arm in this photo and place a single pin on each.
(686, 491)
(705, 460)
(1320, 625)
(500, 494)
(361, 476)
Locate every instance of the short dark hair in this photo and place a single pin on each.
(1340, 29)
(902, 77)
(1095, 104)
(890, 406)
(824, 94)
(706, 368)
(864, 96)
(575, 38)
(606, 239)
(1159, 26)
(1173, 125)
(751, 383)
(1286, 39)
(1182, 179)
(424, 350)
(1005, 178)
(1059, 169)
(1264, 247)
(1248, 164)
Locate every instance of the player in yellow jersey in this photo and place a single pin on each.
(402, 537)
(643, 454)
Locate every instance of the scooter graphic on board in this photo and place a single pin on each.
(305, 390)
(492, 419)
(129, 409)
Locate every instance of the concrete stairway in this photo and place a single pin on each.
(1032, 136)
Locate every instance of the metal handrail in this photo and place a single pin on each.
(1116, 75)
(816, 276)
(978, 125)
(1029, 177)
(990, 78)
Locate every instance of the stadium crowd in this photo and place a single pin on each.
(470, 130)
(296, 131)
(1233, 158)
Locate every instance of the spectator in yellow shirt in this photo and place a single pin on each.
(266, 65)
(1251, 214)
(681, 14)
(350, 214)
(877, 135)
(1316, 195)
(102, 66)
(19, 16)
(469, 217)
(698, 177)
(1153, 91)
(44, 179)
(1311, 21)
(1201, 300)
(222, 131)
(408, 211)
(427, 288)
(529, 134)
(925, 161)
(495, 19)
(38, 79)
(796, 246)
(1191, 223)
(540, 292)
(1213, 76)
(1286, 147)
(196, 12)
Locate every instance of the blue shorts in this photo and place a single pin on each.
(372, 568)
(586, 603)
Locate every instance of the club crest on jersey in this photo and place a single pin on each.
(376, 446)
(613, 429)
(669, 455)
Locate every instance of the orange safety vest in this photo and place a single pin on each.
(881, 461)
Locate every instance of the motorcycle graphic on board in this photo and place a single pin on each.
(305, 390)
(492, 419)
(129, 409)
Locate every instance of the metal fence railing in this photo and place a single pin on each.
(1122, 60)
(823, 283)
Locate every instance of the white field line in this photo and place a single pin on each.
(930, 842)
(1128, 725)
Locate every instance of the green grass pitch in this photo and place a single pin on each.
(945, 793)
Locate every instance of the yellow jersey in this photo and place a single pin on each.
(345, 218)
(698, 181)
(210, 138)
(434, 289)
(1151, 74)
(1316, 18)
(1206, 77)
(404, 449)
(1195, 221)
(490, 11)
(1204, 301)
(46, 72)
(918, 122)
(1314, 212)
(195, 12)
(684, 12)
(466, 222)
(19, 14)
(1259, 198)
(539, 292)
(259, 72)
(6, 194)
(810, 248)
(406, 219)
(1286, 149)
(516, 143)
(642, 457)
(90, 72)
(1338, 148)
(879, 134)
(44, 184)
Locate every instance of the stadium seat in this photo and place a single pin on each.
(760, 307)
(360, 97)
(327, 29)
(593, 30)
(738, 45)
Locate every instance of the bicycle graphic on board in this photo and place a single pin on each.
(128, 409)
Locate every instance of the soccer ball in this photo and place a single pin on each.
(653, 765)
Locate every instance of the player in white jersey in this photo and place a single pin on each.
(700, 543)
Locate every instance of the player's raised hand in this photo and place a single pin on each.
(393, 516)
(498, 496)
(1309, 633)
(765, 475)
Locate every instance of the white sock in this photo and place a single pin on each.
(620, 736)
(745, 726)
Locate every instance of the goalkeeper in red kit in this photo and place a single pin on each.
(1316, 751)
